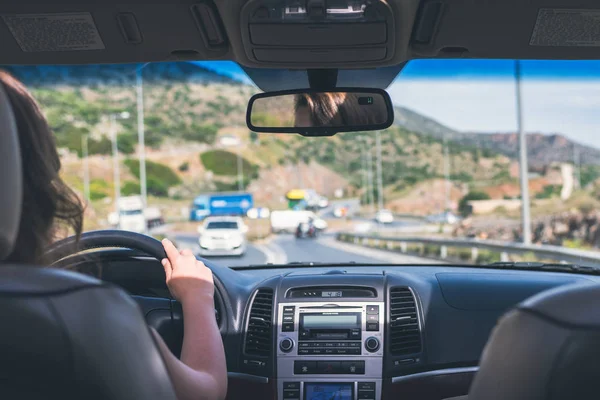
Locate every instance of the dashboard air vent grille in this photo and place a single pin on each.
(259, 336)
(405, 335)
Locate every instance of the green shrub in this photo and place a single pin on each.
(99, 189)
(156, 187)
(463, 205)
(130, 188)
(205, 133)
(253, 136)
(549, 191)
(184, 167)
(126, 143)
(159, 177)
(224, 163)
(102, 146)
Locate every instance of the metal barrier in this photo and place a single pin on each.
(556, 253)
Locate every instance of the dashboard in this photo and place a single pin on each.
(345, 332)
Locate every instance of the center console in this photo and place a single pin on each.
(330, 344)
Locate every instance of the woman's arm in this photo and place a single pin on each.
(202, 371)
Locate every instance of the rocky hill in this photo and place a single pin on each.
(542, 149)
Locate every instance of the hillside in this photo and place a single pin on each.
(191, 117)
(542, 149)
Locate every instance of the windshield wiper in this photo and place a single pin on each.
(540, 266)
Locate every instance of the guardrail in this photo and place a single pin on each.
(474, 246)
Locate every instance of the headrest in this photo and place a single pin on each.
(11, 178)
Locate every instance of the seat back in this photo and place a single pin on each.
(547, 348)
(67, 336)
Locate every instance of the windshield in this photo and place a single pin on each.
(222, 225)
(443, 184)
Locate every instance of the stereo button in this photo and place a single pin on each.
(370, 318)
(293, 385)
(291, 394)
(286, 345)
(305, 367)
(328, 367)
(372, 326)
(372, 344)
(287, 327)
(353, 367)
(372, 309)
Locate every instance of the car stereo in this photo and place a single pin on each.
(332, 348)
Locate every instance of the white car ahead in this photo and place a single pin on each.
(222, 236)
(384, 217)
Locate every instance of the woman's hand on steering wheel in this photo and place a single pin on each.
(187, 277)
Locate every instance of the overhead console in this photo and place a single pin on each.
(330, 33)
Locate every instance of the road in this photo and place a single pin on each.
(286, 248)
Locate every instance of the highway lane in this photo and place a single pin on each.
(326, 249)
(285, 248)
(254, 254)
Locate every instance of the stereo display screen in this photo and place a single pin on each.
(330, 321)
(329, 391)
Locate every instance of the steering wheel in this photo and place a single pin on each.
(102, 239)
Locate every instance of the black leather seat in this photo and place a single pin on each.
(64, 335)
(548, 347)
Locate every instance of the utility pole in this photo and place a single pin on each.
(447, 186)
(379, 173)
(141, 139)
(577, 166)
(523, 164)
(240, 168)
(370, 181)
(86, 167)
(364, 173)
(115, 154)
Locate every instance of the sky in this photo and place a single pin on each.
(479, 95)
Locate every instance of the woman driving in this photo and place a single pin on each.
(53, 210)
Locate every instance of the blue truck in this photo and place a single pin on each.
(217, 204)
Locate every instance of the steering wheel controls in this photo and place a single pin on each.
(286, 345)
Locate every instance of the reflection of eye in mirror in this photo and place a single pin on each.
(340, 110)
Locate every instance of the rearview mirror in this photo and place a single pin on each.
(320, 113)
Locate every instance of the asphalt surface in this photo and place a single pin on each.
(285, 248)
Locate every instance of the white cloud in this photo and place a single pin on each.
(568, 107)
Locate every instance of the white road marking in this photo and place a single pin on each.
(274, 253)
(382, 255)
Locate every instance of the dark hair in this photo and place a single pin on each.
(49, 206)
(338, 109)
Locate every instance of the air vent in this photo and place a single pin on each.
(405, 335)
(259, 335)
